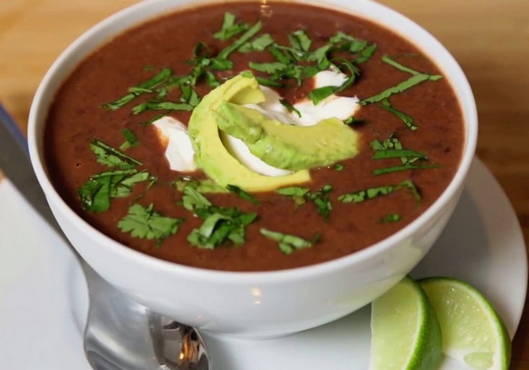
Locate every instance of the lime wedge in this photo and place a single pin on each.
(405, 333)
(472, 331)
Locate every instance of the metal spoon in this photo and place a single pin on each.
(120, 334)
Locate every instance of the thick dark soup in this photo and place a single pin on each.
(107, 159)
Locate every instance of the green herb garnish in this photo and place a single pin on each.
(98, 191)
(338, 167)
(290, 107)
(131, 140)
(400, 67)
(288, 244)
(300, 41)
(230, 28)
(202, 186)
(392, 217)
(321, 201)
(242, 194)
(297, 193)
(143, 222)
(220, 225)
(225, 53)
(165, 105)
(144, 87)
(112, 157)
(319, 198)
(260, 43)
(405, 118)
(403, 167)
(378, 191)
(401, 87)
(192, 200)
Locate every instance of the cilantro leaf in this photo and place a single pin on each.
(270, 68)
(405, 118)
(131, 140)
(220, 225)
(319, 198)
(242, 194)
(403, 167)
(392, 217)
(202, 186)
(260, 43)
(321, 93)
(251, 32)
(300, 40)
(165, 105)
(321, 201)
(378, 191)
(297, 193)
(192, 200)
(98, 191)
(288, 244)
(399, 88)
(400, 67)
(112, 157)
(144, 87)
(230, 28)
(290, 107)
(143, 222)
(338, 167)
(366, 53)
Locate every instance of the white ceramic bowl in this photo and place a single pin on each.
(255, 304)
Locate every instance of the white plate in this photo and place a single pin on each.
(43, 298)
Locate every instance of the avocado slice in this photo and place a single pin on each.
(211, 155)
(288, 146)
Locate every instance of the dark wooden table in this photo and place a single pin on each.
(489, 38)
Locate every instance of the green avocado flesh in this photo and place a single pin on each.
(211, 155)
(288, 146)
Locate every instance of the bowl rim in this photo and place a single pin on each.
(465, 100)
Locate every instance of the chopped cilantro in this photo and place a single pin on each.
(366, 53)
(143, 222)
(112, 157)
(378, 191)
(321, 201)
(319, 94)
(351, 121)
(398, 153)
(203, 186)
(338, 167)
(401, 87)
(400, 67)
(260, 43)
(297, 193)
(300, 41)
(165, 105)
(392, 217)
(288, 244)
(230, 28)
(405, 118)
(131, 139)
(242, 194)
(144, 87)
(220, 225)
(319, 198)
(403, 167)
(193, 200)
(251, 32)
(98, 191)
(290, 107)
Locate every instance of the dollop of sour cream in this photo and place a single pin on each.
(179, 150)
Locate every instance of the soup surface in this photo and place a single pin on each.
(409, 143)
